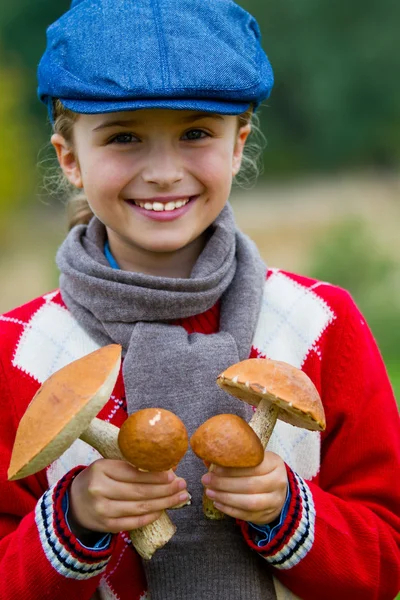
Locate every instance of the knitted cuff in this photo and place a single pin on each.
(296, 535)
(62, 549)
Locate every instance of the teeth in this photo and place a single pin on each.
(159, 206)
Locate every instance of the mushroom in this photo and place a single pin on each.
(228, 441)
(63, 410)
(153, 439)
(278, 391)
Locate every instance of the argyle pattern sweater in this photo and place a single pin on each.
(340, 538)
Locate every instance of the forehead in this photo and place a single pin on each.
(151, 117)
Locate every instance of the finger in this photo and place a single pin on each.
(123, 471)
(261, 469)
(114, 509)
(236, 513)
(138, 491)
(128, 523)
(270, 462)
(246, 502)
(239, 485)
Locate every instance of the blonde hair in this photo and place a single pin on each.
(78, 209)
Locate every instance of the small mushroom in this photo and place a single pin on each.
(153, 439)
(228, 441)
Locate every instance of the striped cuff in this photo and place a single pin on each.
(296, 535)
(63, 550)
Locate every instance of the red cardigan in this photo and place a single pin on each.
(341, 536)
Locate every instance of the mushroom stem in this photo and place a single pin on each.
(208, 506)
(264, 419)
(150, 538)
(103, 437)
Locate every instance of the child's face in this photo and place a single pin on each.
(132, 164)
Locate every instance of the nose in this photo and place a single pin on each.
(163, 166)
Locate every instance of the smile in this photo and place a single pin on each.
(160, 206)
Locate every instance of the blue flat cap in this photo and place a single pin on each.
(112, 55)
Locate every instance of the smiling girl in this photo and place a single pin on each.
(151, 105)
(156, 178)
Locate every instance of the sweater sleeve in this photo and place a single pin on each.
(39, 556)
(341, 537)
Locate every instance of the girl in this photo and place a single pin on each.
(151, 104)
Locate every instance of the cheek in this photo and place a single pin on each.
(104, 175)
(214, 169)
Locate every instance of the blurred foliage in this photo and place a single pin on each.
(350, 257)
(336, 101)
(16, 149)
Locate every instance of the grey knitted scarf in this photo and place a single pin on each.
(166, 367)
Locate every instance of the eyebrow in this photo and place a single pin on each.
(188, 119)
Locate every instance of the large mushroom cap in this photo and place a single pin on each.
(282, 384)
(153, 439)
(227, 441)
(62, 409)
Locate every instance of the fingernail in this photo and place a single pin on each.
(171, 476)
(181, 484)
(210, 493)
(183, 497)
(206, 479)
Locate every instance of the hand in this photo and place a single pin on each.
(256, 494)
(112, 496)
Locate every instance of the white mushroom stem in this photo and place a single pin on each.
(103, 437)
(264, 419)
(262, 423)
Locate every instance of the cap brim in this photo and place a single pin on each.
(108, 106)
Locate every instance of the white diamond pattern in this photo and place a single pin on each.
(51, 340)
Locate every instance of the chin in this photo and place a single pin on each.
(165, 247)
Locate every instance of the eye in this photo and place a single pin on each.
(123, 138)
(195, 134)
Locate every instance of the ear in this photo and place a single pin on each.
(67, 160)
(242, 136)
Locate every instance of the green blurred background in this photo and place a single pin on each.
(327, 203)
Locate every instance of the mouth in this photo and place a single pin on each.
(167, 205)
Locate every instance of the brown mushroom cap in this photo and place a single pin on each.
(62, 409)
(282, 384)
(153, 439)
(228, 441)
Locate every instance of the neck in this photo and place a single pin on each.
(177, 264)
